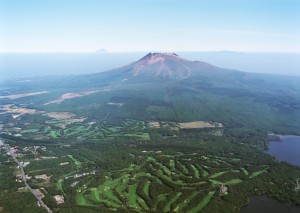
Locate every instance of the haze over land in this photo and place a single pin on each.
(40, 64)
(260, 36)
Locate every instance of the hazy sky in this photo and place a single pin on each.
(149, 25)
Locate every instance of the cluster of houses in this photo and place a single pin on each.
(14, 150)
(34, 148)
(19, 178)
(81, 175)
(223, 190)
(59, 199)
(43, 177)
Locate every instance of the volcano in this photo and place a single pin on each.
(165, 66)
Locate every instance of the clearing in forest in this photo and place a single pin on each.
(21, 95)
(75, 95)
(199, 125)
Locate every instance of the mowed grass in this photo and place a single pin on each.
(29, 131)
(80, 200)
(185, 202)
(221, 173)
(258, 173)
(59, 186)
(171, 201)
(205, 173)
(245, 171)
(127, 128)
(162, 176)
(197, 174)
(140, 135)
(147, 188)
(104, 197)
(218, 174)
(202, 204)
(159, 199)
(95, 195)
(165, 169)
(106, 189)
(142, 203)
(230, 182)
(77, 163)
(172, 164)
(183, 167)
(54, 134)
(133, 196)
(163, 172)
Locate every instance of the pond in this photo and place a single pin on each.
(286, 149)
(263, 204)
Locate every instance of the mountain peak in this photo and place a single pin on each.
(165, 66)
(162, 54)
(157, 56)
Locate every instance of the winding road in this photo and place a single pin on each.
(297, 185)
(33, 191)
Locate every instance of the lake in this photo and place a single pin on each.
(263, 204)
(287, 149)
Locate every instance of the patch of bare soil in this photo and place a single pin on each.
(115, 104)
(60, 115)
(64, 118)
(75, 95)
(66, 122)
(43, 177)
(16, 111)
(199, 125)
(154, 124)
(59, 199)
(21, 95)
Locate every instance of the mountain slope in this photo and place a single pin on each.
(164, 86)
(167, 66)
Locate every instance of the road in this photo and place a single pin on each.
(297, 186)
(34, 192)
